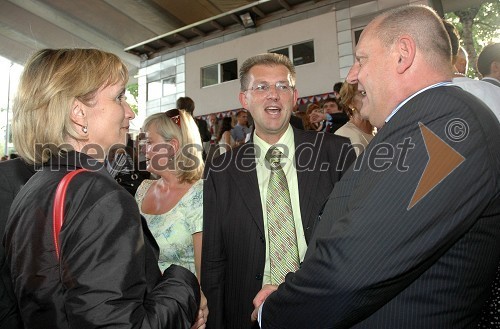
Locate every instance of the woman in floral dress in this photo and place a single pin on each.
(173, 203)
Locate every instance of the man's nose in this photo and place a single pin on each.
(352, 76)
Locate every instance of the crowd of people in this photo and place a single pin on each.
(378, 208)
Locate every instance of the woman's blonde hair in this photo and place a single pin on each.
(188, 159)
(347, 93)
(50, 83)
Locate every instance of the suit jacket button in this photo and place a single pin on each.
(262, 239)
(258, 277)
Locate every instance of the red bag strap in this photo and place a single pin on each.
(58, 211)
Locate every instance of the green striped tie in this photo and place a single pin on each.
(283, 251)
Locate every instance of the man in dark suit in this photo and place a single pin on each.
(488, 64)
(235, 256)
(410, 237)
(296, 122)
(13, 175)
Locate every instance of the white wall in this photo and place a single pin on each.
(333, 37)
(314, 78)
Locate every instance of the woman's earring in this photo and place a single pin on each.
(84, 129)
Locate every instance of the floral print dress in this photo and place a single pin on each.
(173, 230)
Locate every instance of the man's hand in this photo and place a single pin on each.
(261, 296)
(316, 117)
(201, 319)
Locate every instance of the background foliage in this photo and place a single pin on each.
(478, 26)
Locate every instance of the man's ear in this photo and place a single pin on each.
(406, 49)
(495, 68)
(243, 99)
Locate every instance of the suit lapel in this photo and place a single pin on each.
(244, 177)
(306, 175)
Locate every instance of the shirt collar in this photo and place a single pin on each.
(285, 144)
(445, 83)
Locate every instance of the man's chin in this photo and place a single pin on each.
(364, 113)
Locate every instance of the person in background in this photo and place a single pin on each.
(241, 128)
(462, 61)
(173, 204)
(124, 166)
(106, 274)
(336, 89)
(224, 138)
(358, 130)
(13, 175)
(488, 63)
(187, 104)
(487, 92)
(332, 114)
(213, 124)
(317, 126)
(240, 252)
(295, 120)
(413, 240)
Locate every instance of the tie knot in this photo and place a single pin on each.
(273, 156)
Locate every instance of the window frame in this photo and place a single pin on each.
(289, 49)
(161, 88)
(220, 73)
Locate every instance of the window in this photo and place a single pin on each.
(169, 86)
(218, 73)
(161, 88)
(154, 90)
(300, 53)
(209, 75)
(357, 34)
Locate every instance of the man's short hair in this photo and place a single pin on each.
(337, 86)
(489, 54)
(425, 27)
(267, 59)
(185, 103)
(240, 112)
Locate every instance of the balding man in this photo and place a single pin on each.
(410, 236)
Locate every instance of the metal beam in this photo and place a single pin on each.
(285, 5)
(198, 31)
(163, 43)
(201, 22)
(236, 19)
(149, 48)
(258, 12)
(217, 25)
(181, 37)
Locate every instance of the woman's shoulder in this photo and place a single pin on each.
(143, 188)
(194, 197)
